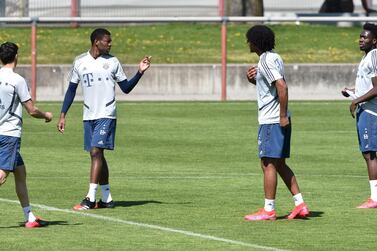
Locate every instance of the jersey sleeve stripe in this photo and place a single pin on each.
(270, 76)
(374, 61)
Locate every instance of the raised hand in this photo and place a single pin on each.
(144, 64)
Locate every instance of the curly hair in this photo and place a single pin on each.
(262, 37)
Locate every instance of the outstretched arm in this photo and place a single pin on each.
(68, 100)
(35, 112)
(345, 89)
(127, 86)
(145, 63)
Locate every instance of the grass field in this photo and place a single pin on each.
(183, 176)
(191, 43)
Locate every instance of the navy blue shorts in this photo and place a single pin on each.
(274, 141)
(99, 133)
(366, 125)
(10, 156)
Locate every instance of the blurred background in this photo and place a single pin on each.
(194, 59)
(137, 8)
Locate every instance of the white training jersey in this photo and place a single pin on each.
(270, 69)
(13, 91)
(366, 71)
(98, 78)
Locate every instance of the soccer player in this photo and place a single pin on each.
(274, 123)
(98, 72)
(365, 106)
(14, 94)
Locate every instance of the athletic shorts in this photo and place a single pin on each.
(366, 125)
(10, 156)
(274, 141)
(99, 133)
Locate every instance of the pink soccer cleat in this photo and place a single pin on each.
(37, 223)
(261, 215)
(368, 204)
(300, 211)
(85, 204)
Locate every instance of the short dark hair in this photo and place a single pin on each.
(98, 34)
(372, 28)
(8, 52)
(262, 37)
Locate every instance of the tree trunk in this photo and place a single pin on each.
(244, 8)
(2, 8)
(233, 7)
(25, 8)
(256, 7)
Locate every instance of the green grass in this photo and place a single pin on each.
(191, 43)
(193, 166)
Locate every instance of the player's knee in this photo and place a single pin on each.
(96, 153)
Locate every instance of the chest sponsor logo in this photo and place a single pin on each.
(87, 78)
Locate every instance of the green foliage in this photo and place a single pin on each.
(191, 43)
(193, 166)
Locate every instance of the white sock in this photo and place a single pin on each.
(29, 216)
(269, 205)
(373, 189)
(92, 192)
(106, 195)
(297, 198)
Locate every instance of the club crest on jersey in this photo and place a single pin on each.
(106, 66)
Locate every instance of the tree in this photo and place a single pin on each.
(258, 7)
(244, 8)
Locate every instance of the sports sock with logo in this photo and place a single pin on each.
(28, 214)
(106, 195)
(92, 192)
(269, 205)
(297, 198)
(373, 189)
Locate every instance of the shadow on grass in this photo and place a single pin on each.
(50, 223)
(143, 202)
(313, 214)
(135, 203)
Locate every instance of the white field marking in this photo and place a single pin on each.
(144, 225)
(230, 176)
(295, 102)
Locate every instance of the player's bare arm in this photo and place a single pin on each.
(68, 99)
(61, 123)
(345, 89)
(35, 112)
(282, 91)
(372, 93)
(251, 74)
